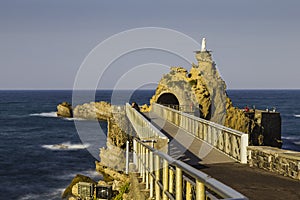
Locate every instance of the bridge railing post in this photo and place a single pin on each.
(178, 183)
(200, 190)
(143, 164)
(135, 152)
(165, 179)
(151, 172)
(138, 157)
(244, 144)
(171, 181)
(188, 191)
(157, 178)
(147, 168)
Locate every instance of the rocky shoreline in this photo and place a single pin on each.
(112, 164)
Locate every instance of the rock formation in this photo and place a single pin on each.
(64, 110)
(69, 191)
(202, 92)
(94, 111)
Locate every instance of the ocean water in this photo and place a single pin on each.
(284, 101)
(32, 166)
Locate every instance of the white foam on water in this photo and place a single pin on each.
(294, 137)
(297, 116)
(74, 119)
(92, 173)
(44, 114)
(56, 194)
(65, 146)
(297, 143)
(53, 114)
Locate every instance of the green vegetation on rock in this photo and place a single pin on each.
(124, 189)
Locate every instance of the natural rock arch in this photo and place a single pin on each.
(168, 99)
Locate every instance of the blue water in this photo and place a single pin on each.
(287, 102)
(32, 168)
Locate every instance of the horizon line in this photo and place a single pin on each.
(131, 89)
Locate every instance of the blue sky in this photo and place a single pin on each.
(255, 43)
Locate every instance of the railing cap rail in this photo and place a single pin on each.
(216, 125)
(151, 126)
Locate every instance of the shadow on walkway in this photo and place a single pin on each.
(252, 182)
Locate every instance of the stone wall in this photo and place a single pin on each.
(283, 162)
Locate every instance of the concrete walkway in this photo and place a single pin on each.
(252, 182)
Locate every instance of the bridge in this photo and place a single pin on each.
(180, 156)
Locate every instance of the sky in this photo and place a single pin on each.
(43, 43)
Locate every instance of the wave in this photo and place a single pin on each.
(297, 143)
(297, 116)
(53, 114)
(44, 114)
(294, 137)
(65, 146)
(73, 119)
(56, 194)
(92, 173)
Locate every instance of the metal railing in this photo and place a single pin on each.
(143, 127)
(182, 108)
(167, 178)
(232, 142)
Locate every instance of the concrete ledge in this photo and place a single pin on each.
(284, 162)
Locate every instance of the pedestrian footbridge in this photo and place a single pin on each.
(180, 156)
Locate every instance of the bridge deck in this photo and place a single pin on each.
(252, 182)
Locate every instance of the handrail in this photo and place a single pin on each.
(144, 128)
(232, 142)
(150, 160)
(236, 132)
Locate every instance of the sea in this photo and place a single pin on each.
(33, 166)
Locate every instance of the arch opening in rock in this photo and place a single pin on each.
(168, 99)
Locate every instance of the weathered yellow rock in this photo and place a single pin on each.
(94, 111)
(203, 88)
(64, 110)
(144, 108)
(115, 175)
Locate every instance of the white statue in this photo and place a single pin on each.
(203, 45)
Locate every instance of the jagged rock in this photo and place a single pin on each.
(103, 183)
(116, 128)
(64, 110)
(94, 111)
(202, 92)
(144, 108)
(113, 156)
(70, 189)
(117, 184)
(112, 173)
